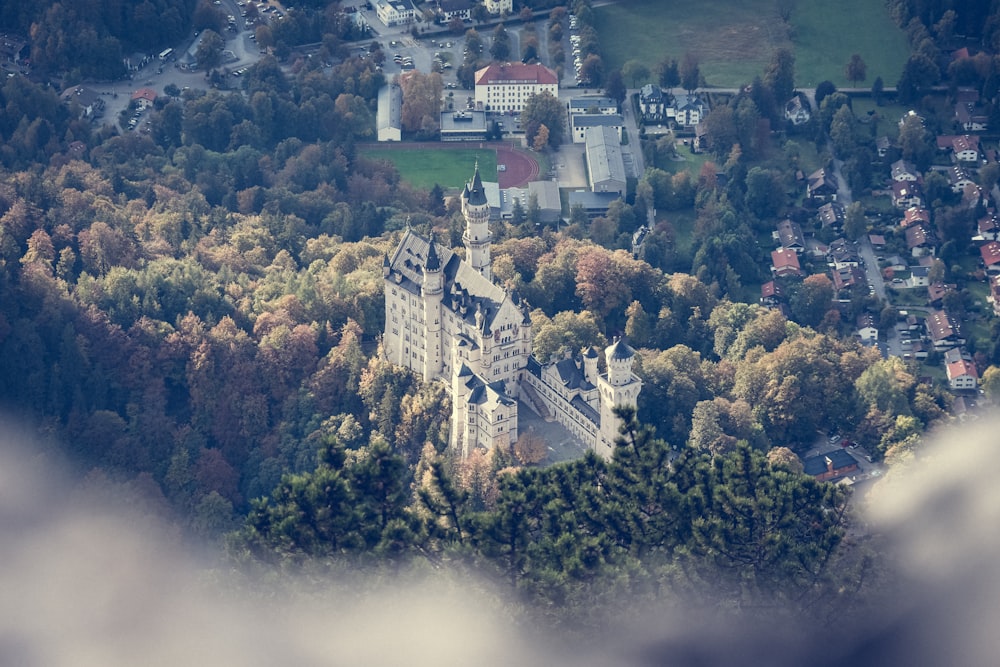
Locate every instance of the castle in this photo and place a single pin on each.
(446, 320)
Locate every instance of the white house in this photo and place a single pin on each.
(686, 110)
(395, 12)
(498, 7)
(962, 374)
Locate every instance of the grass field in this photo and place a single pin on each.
(447, 167)
(734, 39)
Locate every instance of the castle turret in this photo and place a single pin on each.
(590, 365)
(476, 238)
(618, 387)
(432, 290)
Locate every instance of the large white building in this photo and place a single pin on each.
(446, 320)
(507, 86)
(498, 7)
(395, 12)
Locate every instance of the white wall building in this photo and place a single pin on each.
(446, 320)
(497, 7)
(395, 12)
(507, 86)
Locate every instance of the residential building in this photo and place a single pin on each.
(962, 375)
(987, 227)
(772, 293)
(964, 148)
(506, 87)
(971, 117)
(499, 7)
(843, 253)
(914, 215)
(395, 12)
(785, 264)
(830, 465)
(821, 186)
(89, 101)
(936, 293)
(797, 111)
(144, 97)
(846, 277)
(943, 332)
(831, 215)
(959, 179)
(789, 235)
(388, 117)
(920, 240)
(907, 194)
(653, 103)
(447, 321)
(686, 110)
(904, 171)
(991, 257)
(867, 331)
(605, 164)
(994, 297)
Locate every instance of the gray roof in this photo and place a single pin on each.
(390, 107)
(620, 350)
(817, 465)
(604, 156)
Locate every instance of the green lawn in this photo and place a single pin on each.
(449, 168)
(734, 40)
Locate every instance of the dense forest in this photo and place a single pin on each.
(195, 312)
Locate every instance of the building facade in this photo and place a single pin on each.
(506, 87)
(446, 320)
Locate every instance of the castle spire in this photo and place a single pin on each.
(476, 238)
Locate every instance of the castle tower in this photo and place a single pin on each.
(619, 386)
(432, 291)
(476, 238)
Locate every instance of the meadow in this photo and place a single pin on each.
(734, 39)
(445, 166)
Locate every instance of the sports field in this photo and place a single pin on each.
(423, 167)
(734, 39)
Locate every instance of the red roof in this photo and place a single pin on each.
(991, 253)
(961, 367)
(147, 94)
(515, 73)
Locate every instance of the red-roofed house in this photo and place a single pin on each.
(962, 374)
(906, 194)
(991, 256)
(144, 97)
(964, 147)
(507, 86)
(771, 293)
(785, 263)
(987, 228)
(914, 215)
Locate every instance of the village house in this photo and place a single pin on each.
(830, 466)
(506, 87)
(904, 171)
(959, 179)
(88, 100)
(936, 293)
(821, 186)
(970, 115)
(785, 264)
(686, 110)
(867, 331)
(942, 330)
(771, 294)
(831, 215)
(990, 253)
(963, 147)
(843, 253)
(907, 194)
(914, 215)
(987, 227)
(882, 145)
(789, 235)
(920, 240)
(144, 97)
(962, 375)
(845, 278)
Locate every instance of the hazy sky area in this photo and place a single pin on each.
(82, 585)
